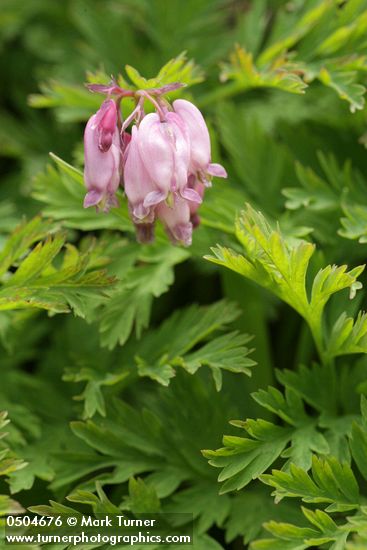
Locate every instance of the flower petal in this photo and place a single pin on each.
(191, 195)
(216, 170)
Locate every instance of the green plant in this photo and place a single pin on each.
(123, 364)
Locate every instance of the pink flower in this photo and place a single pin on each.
(200, 151)
(141, 191)
(166, 160)
(106, 123)
(176, 220)
(165, 151)
(102, 157)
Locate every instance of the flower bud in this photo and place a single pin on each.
(106, 123)
(102, 159)
(200, 152)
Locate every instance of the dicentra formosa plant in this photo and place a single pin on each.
(164, 165)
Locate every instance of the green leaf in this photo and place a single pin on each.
(8, 506)
(354, 222)
(304, 25)
(348, 335)
(331, 482)
(290, 408)
(268, 259)
(330, 280)
(100, 503)
(298, 538)
(226, 352)
(177, 69)
(255, 156)
(157, 441)
(71, 102)
(142, 498)
(313, 384)
(340, 190)
(302, 434)
(277, 544)
(281, 266)
(169, 347)
(9, 463)
(344, 84)
(62, 191)
(358, 440)
(244, 459)
(22, 238)
(204, 503)
(38, 283)
(251, 509)
(316, 193)
(74, 103)
(314, 41)
(243, 71)
(131, 304)
(92, 395)
(40, 258)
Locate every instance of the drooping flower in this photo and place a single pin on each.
(106, 123)
(200, 150)
(165, 163)
(164, 147)
(176, 220)
(142, 193)
(102, 152)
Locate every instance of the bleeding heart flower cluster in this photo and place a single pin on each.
(164, 165)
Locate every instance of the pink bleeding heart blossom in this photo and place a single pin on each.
(142, 193)
(165, 161)
(200, 152)
(164, 147)
(102, 171)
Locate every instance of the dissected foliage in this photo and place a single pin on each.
(122, 365)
